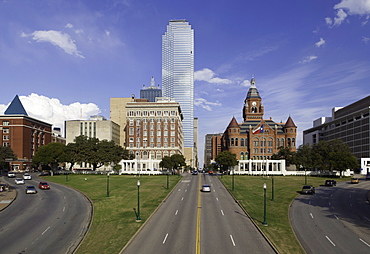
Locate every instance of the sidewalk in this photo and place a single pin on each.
(7, 197)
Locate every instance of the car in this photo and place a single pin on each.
(354, 180)
(368, 177)
(206, 188)
(194, 172)
(27, 176)
(308, 189)
(330, 183)
(31, 190)
(44, 186)
(11, 174)
(19, 181)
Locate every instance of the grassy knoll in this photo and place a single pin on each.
(249, 191)
(114, 221)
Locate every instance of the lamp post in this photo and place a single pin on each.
(233, 180)
(264, 204)
(273, 187)
(305, 177)
(167, 177)
(107, 185)
(138, 201)
(66, 177)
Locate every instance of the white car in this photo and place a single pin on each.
(19, 181)
(206, 188)
(27, 176)
(11, 174)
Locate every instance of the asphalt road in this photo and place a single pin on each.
(191, 221)
(51, 221)
(334, 220)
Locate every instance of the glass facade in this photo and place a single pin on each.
(178, 72)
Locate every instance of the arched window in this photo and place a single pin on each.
(242, 156)
(236, 141)
(242, 142)
(289, 142)
(232, 141)
(293, 142)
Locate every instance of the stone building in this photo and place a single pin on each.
(257, 138)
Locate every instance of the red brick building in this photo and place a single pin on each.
(257, 138)
(23, 134)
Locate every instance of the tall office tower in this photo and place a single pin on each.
(178, 76)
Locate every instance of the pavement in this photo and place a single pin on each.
(7, 197)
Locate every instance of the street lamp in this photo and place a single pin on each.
(264, 204)
(167, 177)
(66, 177)
(138, 201)
(233, 180)
(107, 185)
(273, 187)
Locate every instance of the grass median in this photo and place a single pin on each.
(114, 220)
(248, 190)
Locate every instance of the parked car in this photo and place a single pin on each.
(31, 190)
(19, 181)
(11, 174)
(27, 176)
(308, 189)
(194, 172)
(206, 188)
(354, 180)
(330, 183)
(44, 186)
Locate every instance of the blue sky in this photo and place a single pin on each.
(65, 59)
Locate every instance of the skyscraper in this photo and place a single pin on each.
(178, 75)
(150, 92)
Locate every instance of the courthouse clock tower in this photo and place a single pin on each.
(253, 108)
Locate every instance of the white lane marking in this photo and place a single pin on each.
(45, 230)
(179, 189)
(64, 208)
(216, 198)
(165, 238)
(176, 212)
(330, 240)
(182, 199)
(368, 245)
(336, 217)
(214, 191)
(366, 218)
(232, 240)
(311, 215)
(186, 190)
(329, 203)
(222, 212)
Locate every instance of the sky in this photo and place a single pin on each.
(67, 58)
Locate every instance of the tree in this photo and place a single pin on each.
(284, 153)
(6, 153)
(340, 156)
(226, 159)
(166, 162)
(51, 154)
(303, 157)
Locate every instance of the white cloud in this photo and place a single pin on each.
(320, 42)
(209, 76)
(245, 83)
(346, 8)
(69, 25)
(365, 39)
(57, 38)
(52, 111)
(203, 103)
(309, 59)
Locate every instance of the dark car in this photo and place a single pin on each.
(44, 186)
(194, 172)
(330, 183)
(308, 189)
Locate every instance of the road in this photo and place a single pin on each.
(334, 220)
(194, 222)
(51, 221)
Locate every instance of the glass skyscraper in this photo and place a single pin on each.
(178, 72)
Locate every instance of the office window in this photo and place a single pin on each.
(5, 130)
(6, 137)
(5, 123)
(131, 131)
(159, 113)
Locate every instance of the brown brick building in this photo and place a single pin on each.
(257, 138)
(23, 134)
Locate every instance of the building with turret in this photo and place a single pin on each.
(257, 138)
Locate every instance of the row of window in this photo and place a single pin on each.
(152, 145)
(152, 113)
(151, 120)
(151, 133)
(151, 126)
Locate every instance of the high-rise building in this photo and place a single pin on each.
(150, 92)
(178, 76)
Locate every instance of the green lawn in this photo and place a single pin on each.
(248, 190)
(114, 221)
